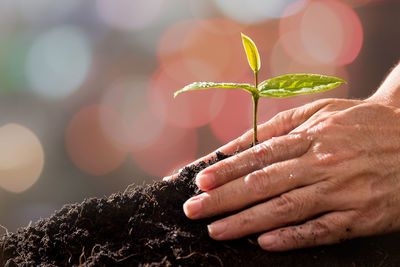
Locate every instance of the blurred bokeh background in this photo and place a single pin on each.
(86, 104)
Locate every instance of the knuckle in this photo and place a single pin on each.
(242, 142)
(370, 215)
(301, 112)
(284, 206)
(244, 219)
(281, 116)
(328, 187)
(258, 182)
(334, 230)
(216, 201)
(325, 126)
(296, 237)
(317, 232)
(320, 231)
(324, 154)
(261, 154)
(326, 101)
(319, 104)
(224, 168)
(325, 159)
(331, 123)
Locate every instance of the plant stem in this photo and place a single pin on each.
(255, 97)
(256, 79)
(255, 107)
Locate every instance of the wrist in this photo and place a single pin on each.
(389, 91)
(383, 99)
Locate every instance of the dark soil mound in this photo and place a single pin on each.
(145, 226)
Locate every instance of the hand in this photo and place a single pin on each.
(332, 172)
(280, 125)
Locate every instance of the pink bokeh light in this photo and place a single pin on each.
(171, 42)
(324, 32)
(234, 118)
(189, 110)
(145, 130)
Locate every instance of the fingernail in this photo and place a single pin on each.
(267, 241)
(205, 181)
(217, 229)
(192, 207)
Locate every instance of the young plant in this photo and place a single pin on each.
(278, 87)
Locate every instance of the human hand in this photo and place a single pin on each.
(280, 125)
(332, 172)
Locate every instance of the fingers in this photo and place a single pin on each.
(295, 206)
(242, 143)
(328, 229)
(279, 125)
(271, 151)
(260, 185)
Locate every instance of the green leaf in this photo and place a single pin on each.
(206, 85)
(252, 53)
(297, 84)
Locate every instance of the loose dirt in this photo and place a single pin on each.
(145, 226)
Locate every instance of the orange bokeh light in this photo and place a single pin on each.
(211, 50)
(324, 32)
(90, 145)
(21, 158)
(215, 44)
(174, 145)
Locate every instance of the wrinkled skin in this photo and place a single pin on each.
(322, 173)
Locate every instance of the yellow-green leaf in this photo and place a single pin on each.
(297, 84)
(252, 53)
(206, 85)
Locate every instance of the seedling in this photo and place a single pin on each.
(278, 87)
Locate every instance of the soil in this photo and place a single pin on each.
(145, 226)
